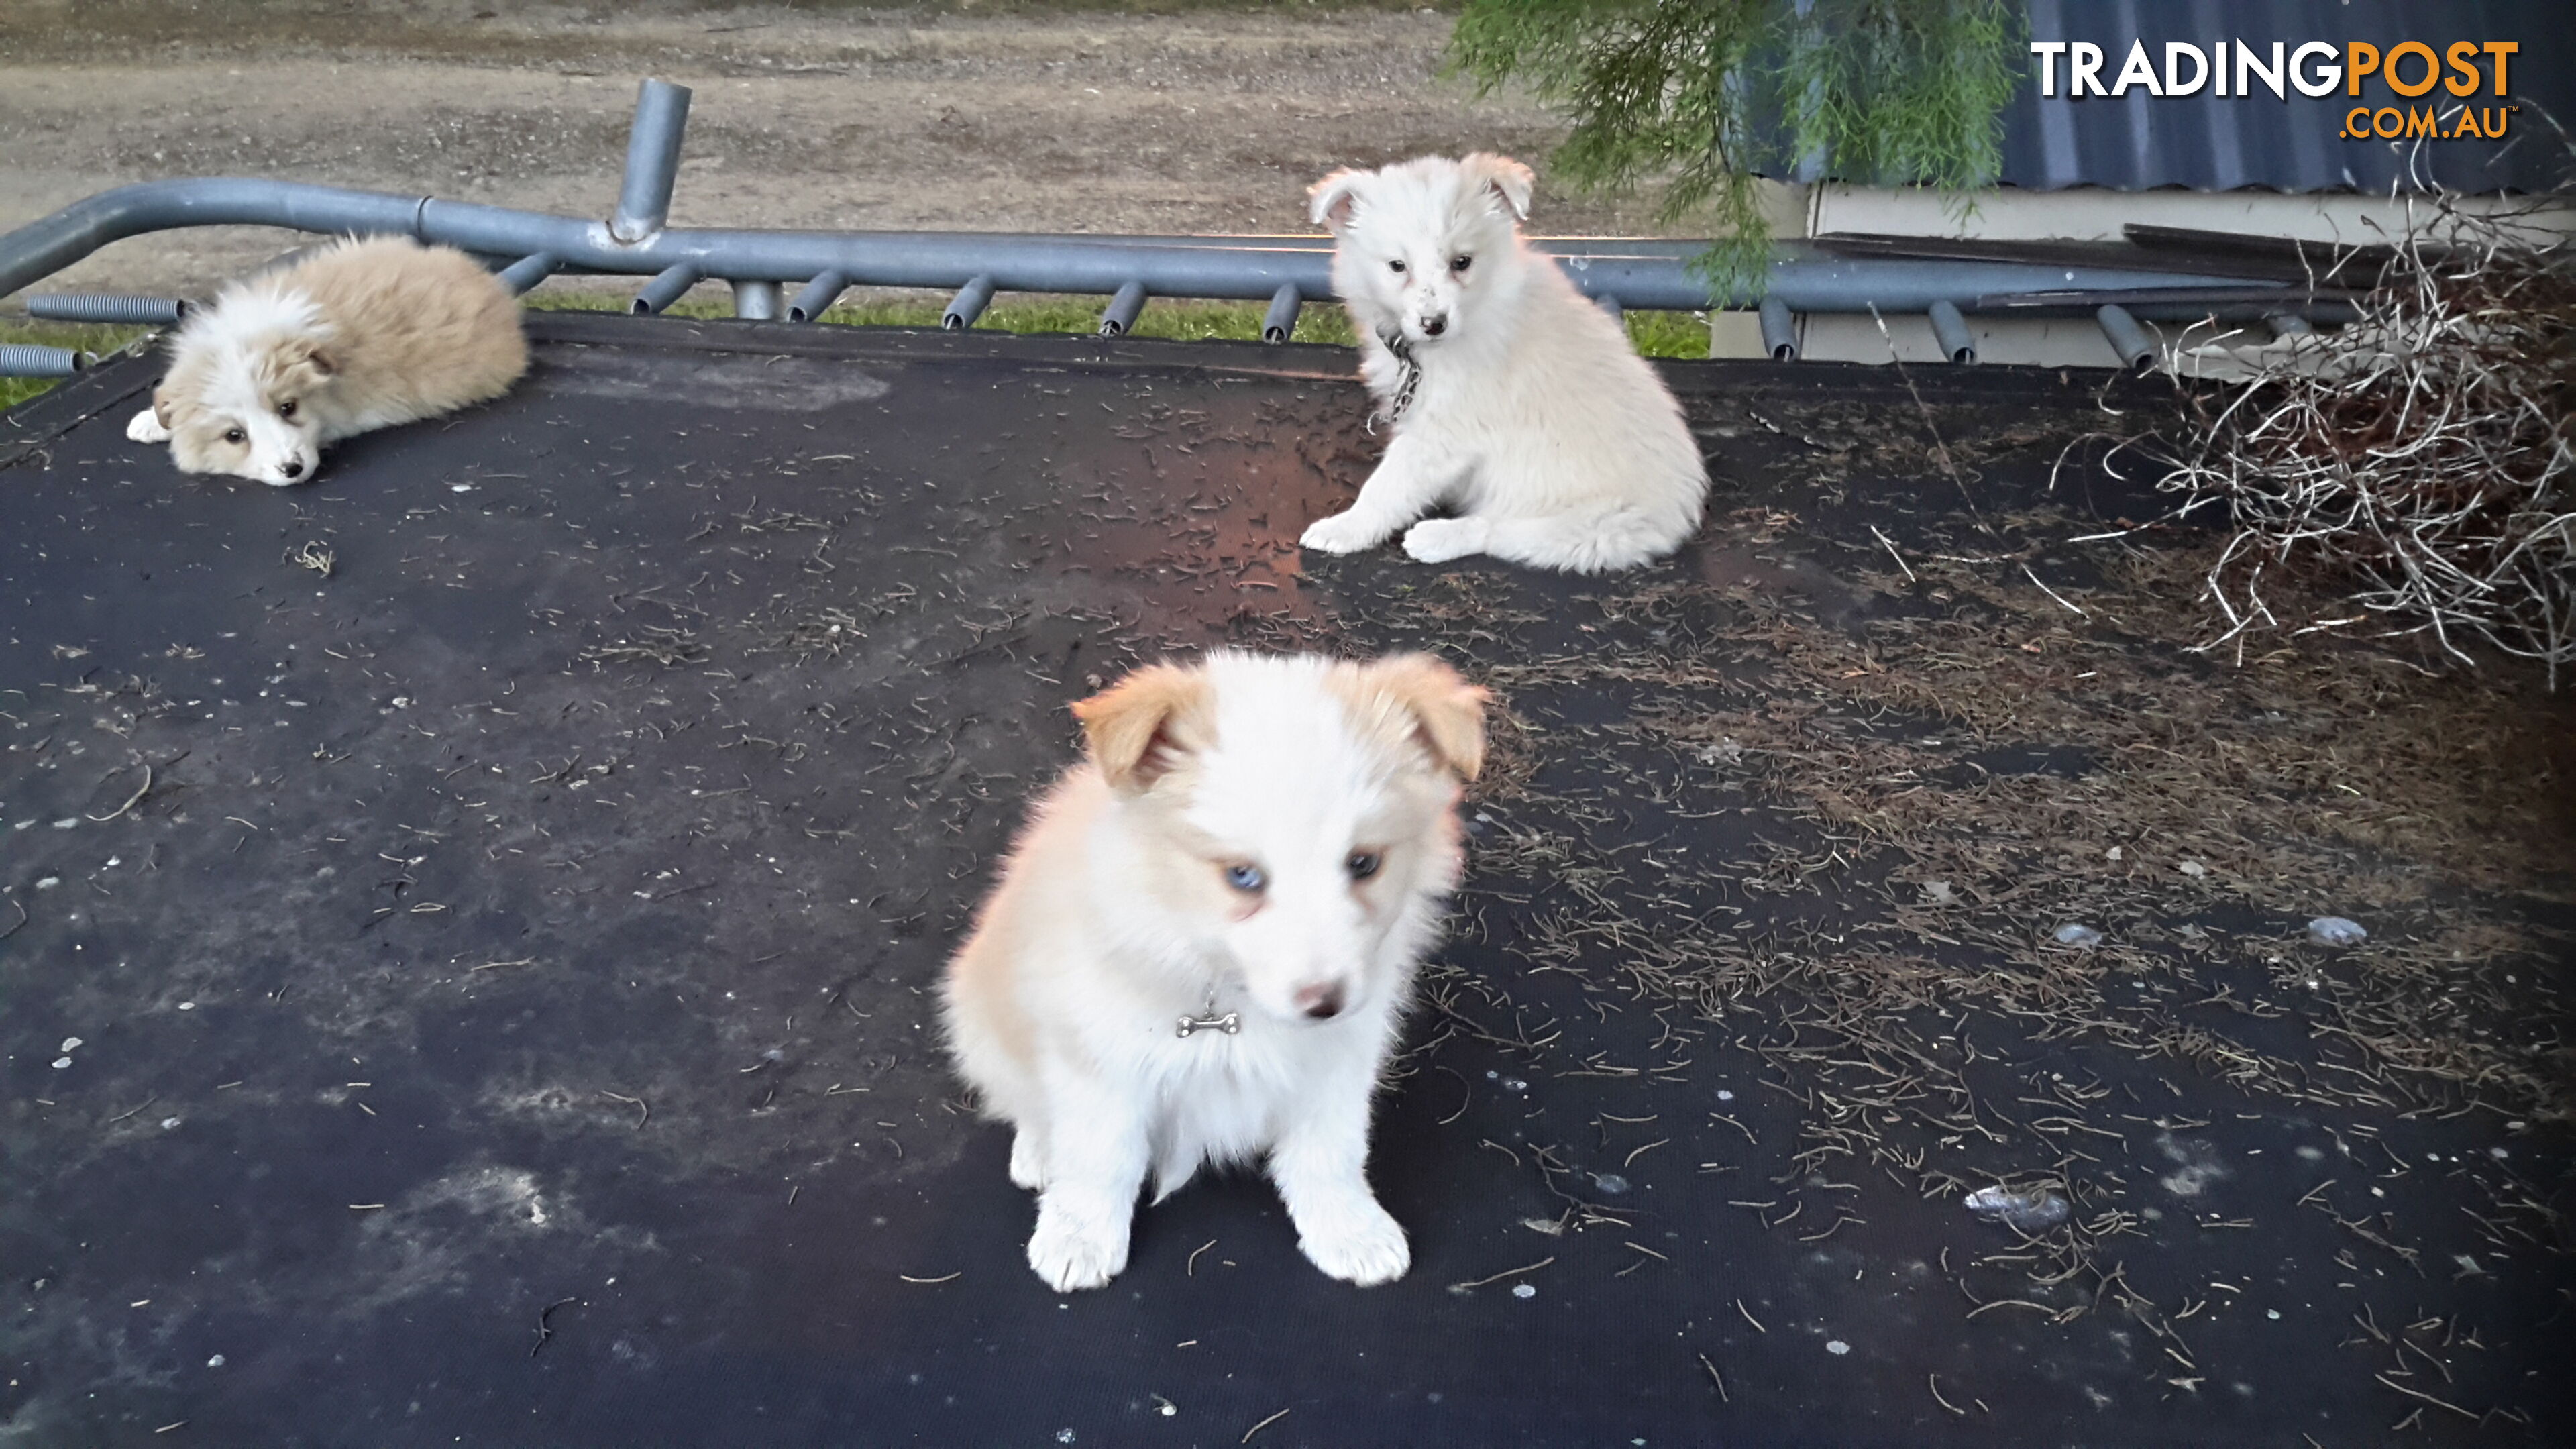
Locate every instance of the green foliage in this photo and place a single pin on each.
(1698, 97)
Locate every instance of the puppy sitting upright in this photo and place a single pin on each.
(1516, 403)
(360, 335)
(1201, 945)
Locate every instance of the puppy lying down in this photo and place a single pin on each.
(1201, 946)
(360, 335)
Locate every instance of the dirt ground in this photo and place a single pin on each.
(1211, 119)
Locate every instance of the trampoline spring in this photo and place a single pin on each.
(20, 360)
(107, 307)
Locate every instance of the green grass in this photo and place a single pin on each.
(1656, 334)
(80, 336)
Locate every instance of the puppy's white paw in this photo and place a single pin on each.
(1028, 1164)
(145, 427)
(1438, 540)
(1072, 1255)
(1344, 532)
(1359, 1244)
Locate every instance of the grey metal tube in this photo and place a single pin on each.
(818, 296)
(1779, 330)
(1280, 322)
(652, 160)
(1639, 274)
(1610, 304)
(1122, 310)
(1951, 331)
(2137, 350)
(756, 301)
(968, 304)
(523, 275)
(666, 288)
(19, 360)
(106, 307)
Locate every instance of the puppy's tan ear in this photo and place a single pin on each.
(304, 364)
(1506, 178)
(1448, 712)
(1329, 201)
(1139, 727)
(162, 411)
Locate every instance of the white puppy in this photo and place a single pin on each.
(1200, 947)
(358, 336)
(1517, 404)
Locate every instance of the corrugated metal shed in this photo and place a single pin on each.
(2138, 141)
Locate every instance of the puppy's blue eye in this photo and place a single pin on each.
(1395, 267)
(1362, 864)
(1245, 878)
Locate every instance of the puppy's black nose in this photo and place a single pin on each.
(292, 467)
(1320, 1002)
(1434, 326)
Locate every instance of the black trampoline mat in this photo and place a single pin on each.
(505, 1011)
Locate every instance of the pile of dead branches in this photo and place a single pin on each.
(2414, 468)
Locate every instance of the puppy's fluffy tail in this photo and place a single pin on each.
(1592, 540)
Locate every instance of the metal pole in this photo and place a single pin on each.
(652, 160)
(818, 296)
(1639, 274)
(756, 301)
(968, 304)
(666, 287)
(2283, 324)
(1122, 310)
(1779, 330)
(1951, 331)
(1280, 322)
(523, 275)
(2137, 350)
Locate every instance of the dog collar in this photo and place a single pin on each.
(1404, 390)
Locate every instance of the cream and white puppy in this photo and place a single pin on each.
(1517, 404)
(360, 335)
(1200, 948)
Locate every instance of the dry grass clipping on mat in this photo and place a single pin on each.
(2412, 469)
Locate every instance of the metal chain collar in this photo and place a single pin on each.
(1395, 409)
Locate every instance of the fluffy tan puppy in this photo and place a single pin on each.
(361, 335)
